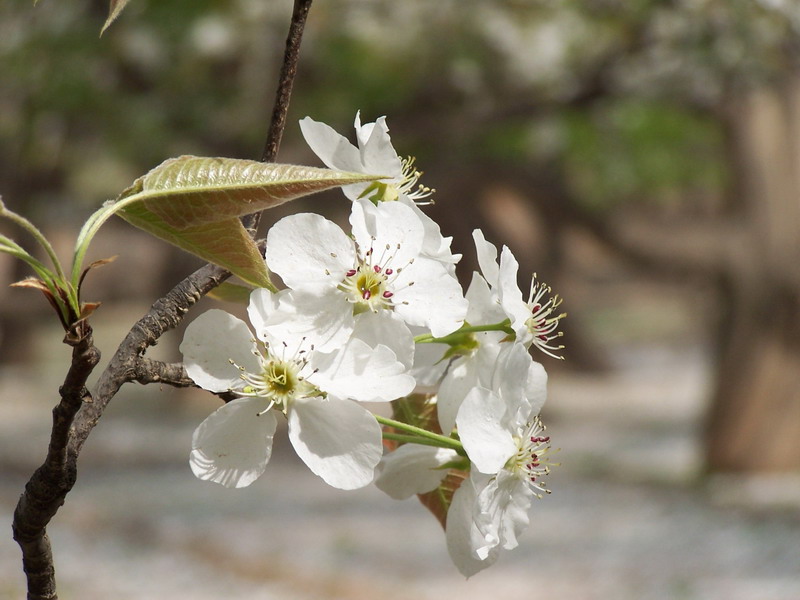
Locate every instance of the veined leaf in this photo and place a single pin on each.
(225, 243)
(192, 190)
(114, 8)
(195, 203)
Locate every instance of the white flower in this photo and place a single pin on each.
(534, 321)
(375, 155)
(477, 365)
(504, 439)
(334, 278)
(337, 438)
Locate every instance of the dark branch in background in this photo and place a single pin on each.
(79, 411)
(283, 94)
(286, 80)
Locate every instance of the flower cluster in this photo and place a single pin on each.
(376, 314)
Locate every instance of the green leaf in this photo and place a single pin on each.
(114, 8)
(192, 190)
(225, 243)
(195, 203)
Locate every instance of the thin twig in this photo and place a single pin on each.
(283, 94)
(286, 80)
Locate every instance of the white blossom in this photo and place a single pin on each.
(533, 320)
(375, 155)
(337, 438)
(505, 442)
(333, 278)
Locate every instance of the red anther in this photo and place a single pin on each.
(366, 295)
(351, 272)
(388, 294)
(376, 268)
(389, 271)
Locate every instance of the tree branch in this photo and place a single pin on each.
(49, 485)
(146, 371)
(165, 314)
(283, 94)
(286, 80)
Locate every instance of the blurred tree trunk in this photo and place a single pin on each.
(754, 421)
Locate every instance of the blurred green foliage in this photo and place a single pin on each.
(620, 97)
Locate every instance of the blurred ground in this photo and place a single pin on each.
(626, 520)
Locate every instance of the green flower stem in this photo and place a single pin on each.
(410, 439)
(419, 435)
(455, 337)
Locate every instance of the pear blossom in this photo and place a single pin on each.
(477, 364)
(504, 439)
(533, 320)
(332, 278)
(337, 438)
(376, 155)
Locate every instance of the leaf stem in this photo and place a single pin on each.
(37, 235)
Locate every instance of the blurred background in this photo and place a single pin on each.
(641, 156)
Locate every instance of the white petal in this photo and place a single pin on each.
(322, 318)
(361, 372)
(463, 537)
(430, 366)
(332, 148)
(502, 511)
(391, 229)
(233, 445)
(484, 307)
(308, 250)
(536, 388)
(426, 294)
(378, 155)
(511, 297)
(487, 257)
(263, 304)
(386, 328)
(520, 381)
(339, 440)
(412, 469)
(211, 341)
(434, 245)
(464, 374)
(489, 444)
